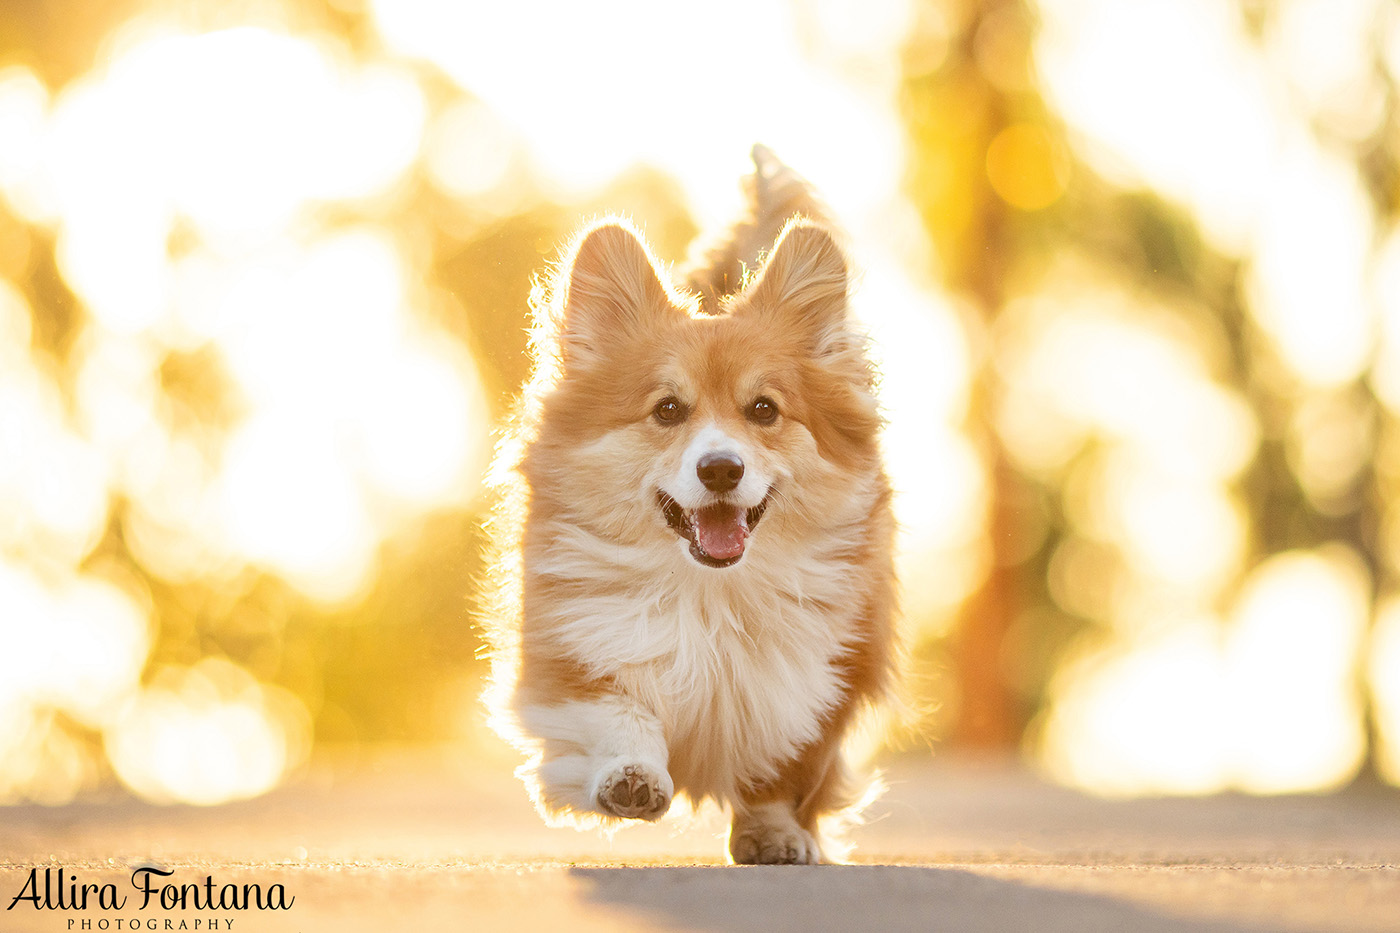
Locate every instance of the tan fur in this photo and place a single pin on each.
(624, 668)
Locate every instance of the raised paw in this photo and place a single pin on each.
(635, 792)
(760, 844)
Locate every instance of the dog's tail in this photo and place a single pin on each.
(773, 194)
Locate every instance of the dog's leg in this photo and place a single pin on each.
(768, 833)
(603, 755)
(776, 824)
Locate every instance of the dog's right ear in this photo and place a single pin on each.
(614, 291)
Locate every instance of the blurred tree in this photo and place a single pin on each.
(956, 109)
(59, 41)
(999, 187)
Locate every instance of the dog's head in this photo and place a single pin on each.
(663, 424)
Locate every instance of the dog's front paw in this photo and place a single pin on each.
(761, 844)
(635, 792)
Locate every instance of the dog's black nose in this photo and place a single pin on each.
(720, 472)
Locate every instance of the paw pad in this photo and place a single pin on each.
(633, 792)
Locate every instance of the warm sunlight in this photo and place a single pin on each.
(1147, 718)
(1069, 599)
(207, 734)
(317, 409)
(338, 411)
(1385, 685)
(263, 285)
(581, 114)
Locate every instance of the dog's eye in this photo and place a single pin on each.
(763, 410)
(669, 410)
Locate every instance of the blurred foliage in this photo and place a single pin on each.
(1009, 193)
(969, 78)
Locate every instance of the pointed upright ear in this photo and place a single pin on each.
(803, 286)
(614, 291)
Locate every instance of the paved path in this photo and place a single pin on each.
(436, 845)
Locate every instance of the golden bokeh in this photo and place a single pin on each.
(1026, 166)
(1131, 272)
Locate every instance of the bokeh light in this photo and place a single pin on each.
(205, 735)
(1284, 665)
(1384, 675)
(1130, 272)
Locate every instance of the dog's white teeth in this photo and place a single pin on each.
(692, 517)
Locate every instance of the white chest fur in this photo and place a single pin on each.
(739, 665)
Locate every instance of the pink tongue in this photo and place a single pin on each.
(721, 530)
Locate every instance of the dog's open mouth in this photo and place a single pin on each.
(717, 533)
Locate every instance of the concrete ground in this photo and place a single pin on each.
(429, 844)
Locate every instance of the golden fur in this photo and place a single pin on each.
(627, 665)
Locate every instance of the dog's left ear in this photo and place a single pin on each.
(803, 285)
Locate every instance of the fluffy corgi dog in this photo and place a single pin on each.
(696, 537)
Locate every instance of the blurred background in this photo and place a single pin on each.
(1131, 269)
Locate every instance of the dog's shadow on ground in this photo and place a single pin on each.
(866, 897)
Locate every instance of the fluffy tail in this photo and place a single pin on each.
(773, 194)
